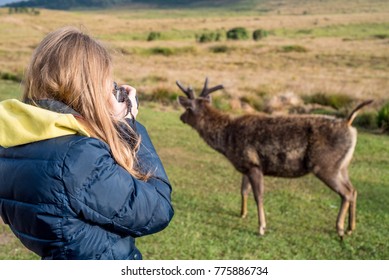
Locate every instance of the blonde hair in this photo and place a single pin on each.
(71, 67)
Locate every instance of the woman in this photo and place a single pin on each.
(78, 178)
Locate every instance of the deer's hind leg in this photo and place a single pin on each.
(256, 179)
(353, 202)
(341, 184)
(245, 190)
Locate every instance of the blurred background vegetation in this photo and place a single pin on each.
(274, 57)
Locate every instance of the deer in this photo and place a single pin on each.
(288, 146)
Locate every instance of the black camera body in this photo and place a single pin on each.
(121, 95)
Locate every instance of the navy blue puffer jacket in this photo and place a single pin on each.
(66, 198)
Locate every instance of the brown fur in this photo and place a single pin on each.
(282, 146)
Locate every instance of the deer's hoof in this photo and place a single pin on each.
(243, 216)
(261, 231)
(350, 229)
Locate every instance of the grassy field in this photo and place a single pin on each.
(301, 213)
(331, 48)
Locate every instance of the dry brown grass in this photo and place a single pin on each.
(325, 7)
(330, 64)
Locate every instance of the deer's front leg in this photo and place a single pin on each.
(256, 179)
(245, 189)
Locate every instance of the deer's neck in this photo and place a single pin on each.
(212, 128)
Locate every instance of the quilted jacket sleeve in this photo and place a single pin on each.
(103, 193)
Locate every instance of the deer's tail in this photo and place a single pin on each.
(354, 113)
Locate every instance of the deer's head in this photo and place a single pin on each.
(195, 107)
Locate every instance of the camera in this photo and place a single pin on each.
(121, 95)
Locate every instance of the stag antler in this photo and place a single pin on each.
(189, 91)
(206, 91)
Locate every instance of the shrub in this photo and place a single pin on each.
(153, 36)
(11, 77)
(237, 33)
(366, 120)
(208, 37)
(166, 51)
(220, 49)
(383, 118)
(162, 50)
(259, 34)
(23, 10)
(293, 48)
(381, 36)
(335, 101)
(328, 112)
(160, 94)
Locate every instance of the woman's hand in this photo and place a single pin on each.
(120, 109)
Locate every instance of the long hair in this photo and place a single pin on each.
(71, 67)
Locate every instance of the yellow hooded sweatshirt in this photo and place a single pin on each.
(21, 123)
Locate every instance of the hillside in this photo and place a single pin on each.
(263, 6)
(74, 4)
(66, 5)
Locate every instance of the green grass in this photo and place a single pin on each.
(347, 31)
(379, 31)
(9, 89)
(165, 35)
(301, 213)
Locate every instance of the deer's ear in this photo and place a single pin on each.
(185, 102)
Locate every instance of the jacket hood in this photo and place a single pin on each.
(21, 123)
